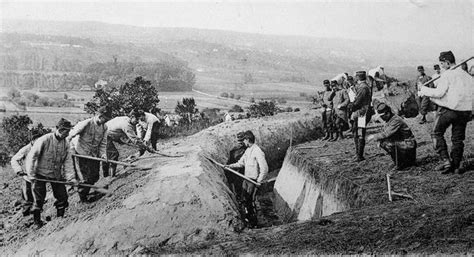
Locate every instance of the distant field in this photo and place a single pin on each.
(48, 119)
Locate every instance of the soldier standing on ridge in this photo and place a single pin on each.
(17, 162)
(326, 114)
(360, 108)
(256, 168)
(437, 70)
(424, 103)
(91, 141)
(340, 102)
(46, 161)
(453, 95)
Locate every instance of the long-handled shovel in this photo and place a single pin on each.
(97, 188)
(233, 171)
(126, 164)
(452, 68)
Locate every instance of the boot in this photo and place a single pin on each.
(60, 212)
(326, 137)
(341, 135)
(360, 153)
(37, 219)
(356, 146)
(331, 137)
(337, 136)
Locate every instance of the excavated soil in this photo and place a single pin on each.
(164, 202)
(439, 218)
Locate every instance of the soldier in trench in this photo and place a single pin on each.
(235, 154)
(327, 111)
(256, 168)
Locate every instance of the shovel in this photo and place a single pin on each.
(96, 188)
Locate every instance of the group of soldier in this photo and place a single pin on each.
(44, 159)
(347, 105)
(350, 104)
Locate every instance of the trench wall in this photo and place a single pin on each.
(184, 201)
(308, 188)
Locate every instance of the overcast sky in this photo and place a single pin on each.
(444, 23)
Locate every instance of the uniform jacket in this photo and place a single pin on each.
(395, 129)
(362, 99)
(91, 137)
(340, 102)
(146, 127)
(235, 154)
(327, 98)
(19, 158)
(119, 129)
(47, 157)
(253, 160)
(454, 90)
(423, 79)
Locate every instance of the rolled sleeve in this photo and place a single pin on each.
(263, 166)
(439, 91)
(18, 159)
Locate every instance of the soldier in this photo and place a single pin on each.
(340, 102)
(91, 141)
(326, 115)
(120, 130)
(361, 114)
(256, 168)
(46, 161)
(396, 138)
(235, 154)
(437, 71)
(453, 95)
(148, 129)
(424, 102)
(17, 162)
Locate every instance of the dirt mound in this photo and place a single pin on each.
(178, 202)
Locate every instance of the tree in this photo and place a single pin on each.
(224, 94)
(140, 94)
(187, 108)
(15, 134)
(263, 108)
(14, 93)
(236, 108)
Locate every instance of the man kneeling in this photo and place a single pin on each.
(396, 138)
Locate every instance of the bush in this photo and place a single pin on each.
(236, 108)
(252, 100)
(231, 95)
(263, 108)
(297, 109)
(289, 109)
(140, 94)
(237, 97)
(281, 100)
(224, 94)
(303, 94)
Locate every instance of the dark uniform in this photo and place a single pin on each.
(396, 138)
(424, 103)
(327, 112)
(340, 102)
(360, 108)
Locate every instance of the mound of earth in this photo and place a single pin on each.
(163, 202)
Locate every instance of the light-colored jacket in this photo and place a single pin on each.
(47, 157)
(146, 126)
(454, 90)
(119, 129)
(90, 137)
(18, 159)
(254, 162)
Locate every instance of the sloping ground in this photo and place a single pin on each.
(177, 202)
(440, 219)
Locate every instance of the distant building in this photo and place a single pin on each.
(101, 84)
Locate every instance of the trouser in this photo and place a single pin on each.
(248, 196)
(39, 194)
(27, 196)
(359, 139)
(90, 170)
(403, 153)
(112, 154)
(340, 124)
(425, 105)
(458, 121)
(154, 136)
(235, 182)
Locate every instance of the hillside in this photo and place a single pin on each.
(233, 57)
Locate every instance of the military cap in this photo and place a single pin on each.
(382, 108)
(436, 67)
(447, 56)
(64, 124)
(240, 136)
(420, 68)
(326, 82)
